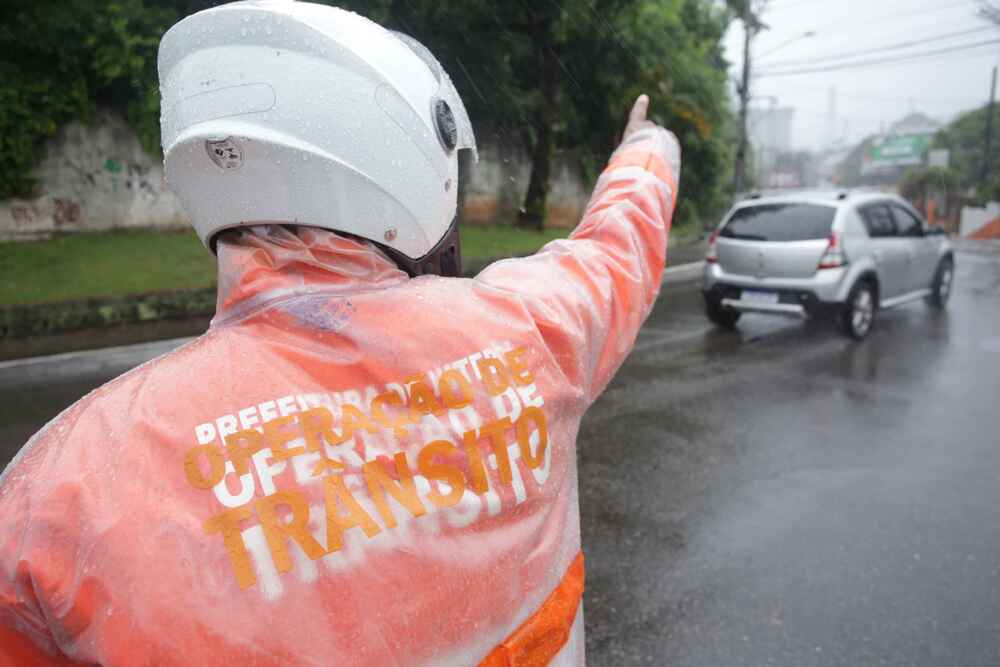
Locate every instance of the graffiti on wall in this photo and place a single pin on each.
(24, 216)
(66, 212)
(93, 177)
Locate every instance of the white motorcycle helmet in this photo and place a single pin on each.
(276, 111)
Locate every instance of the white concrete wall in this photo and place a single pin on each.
(91, 178)
(973, 219)
(494, 188)
(97, 177)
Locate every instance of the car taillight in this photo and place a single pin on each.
(833, 257)
(711, 257)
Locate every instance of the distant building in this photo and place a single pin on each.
(771, 128)
(828, 162)
(770, 134)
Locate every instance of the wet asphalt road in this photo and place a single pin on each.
(776, 496)
(784, 496)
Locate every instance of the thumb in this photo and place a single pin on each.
(639, 109)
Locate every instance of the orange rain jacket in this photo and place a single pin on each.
(350, 467)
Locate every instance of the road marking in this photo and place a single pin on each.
(683, 272)
(670, 339)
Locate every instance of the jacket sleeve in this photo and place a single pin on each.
(589, 294)
(25, 635)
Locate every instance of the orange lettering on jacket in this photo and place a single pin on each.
(337, 495)
(228, 523)
(448, 467)
(193, 470)
(404, 491)
(449, 474)
(278, 532)
(241, 446)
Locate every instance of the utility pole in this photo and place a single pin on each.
(749, 24)
(988, 157)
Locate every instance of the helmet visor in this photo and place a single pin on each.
(464, 136)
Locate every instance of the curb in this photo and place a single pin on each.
(84, 361)
(682, 273)
(94, 359)
(30, 331)
(47, 319)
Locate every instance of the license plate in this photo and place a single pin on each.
(758, 296)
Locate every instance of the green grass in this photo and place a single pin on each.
(102, 264)
(492, 241)
(132, 262)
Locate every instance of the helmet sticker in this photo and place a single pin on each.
(227, 154)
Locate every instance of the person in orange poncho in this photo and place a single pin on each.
(366, 460)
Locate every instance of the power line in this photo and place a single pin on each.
(910, 60)
(853, 19)
(879, 61)
(923, 101)
(879, 49)
(864, 95)
(797, 4)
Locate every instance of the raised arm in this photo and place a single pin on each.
(589, 294)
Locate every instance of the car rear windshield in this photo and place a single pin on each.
(780, 222)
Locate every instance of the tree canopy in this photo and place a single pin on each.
(546, 75)
(964, 139)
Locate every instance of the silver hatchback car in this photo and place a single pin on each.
(807, 254)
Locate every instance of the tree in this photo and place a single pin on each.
(546, 75)
(989, 11)
(922, 182)
(562, 75)
(63, 60)
(963, 138)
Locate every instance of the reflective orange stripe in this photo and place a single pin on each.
(545, 632)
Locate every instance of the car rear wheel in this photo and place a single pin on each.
(944, 277)
(724, 316)
(859, 312)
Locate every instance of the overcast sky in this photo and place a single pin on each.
(871, 97)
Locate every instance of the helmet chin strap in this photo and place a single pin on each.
(444, 259)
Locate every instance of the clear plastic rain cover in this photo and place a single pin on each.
(446, 92)
(350, 467)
